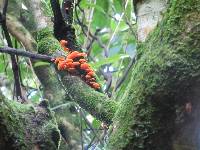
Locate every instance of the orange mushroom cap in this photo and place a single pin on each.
(76, 63)
(88, 70)
(92, 79)
(82, 54)
(66, 49)
(73, 55)
(82, 61)
(85, 66)
(70, 65)
(58, 59)
(96, 85)
(88, 77)
(69, 60)
(71, 70)
(61, 66)
(91, 73)
(63, 43)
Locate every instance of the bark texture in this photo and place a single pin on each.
(148, 13)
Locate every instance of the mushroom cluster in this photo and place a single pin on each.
(76, 64)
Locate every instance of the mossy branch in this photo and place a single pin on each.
(94, 102)
(27, 126)
(97, 104)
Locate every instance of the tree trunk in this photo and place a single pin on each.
(27, 127)
(157, 110)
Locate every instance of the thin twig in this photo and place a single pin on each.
(90, 144)
(84, 28)
(121, 80)
(62, 105)
(32, 70)
(81, 126)
(108, 82)
(89, 25)
(15, 67)
(89, 47)
(130, 27)
(115, 31)
(90, 126)
(31, 55)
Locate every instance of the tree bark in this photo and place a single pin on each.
(166, 69)
(148, 14)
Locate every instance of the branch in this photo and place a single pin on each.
(31, 55)
(15, 67)
(94, 102)
(5, 6)
(84, 28)
(64, 30)
(97, 104)
(121, 80)
(67, 11)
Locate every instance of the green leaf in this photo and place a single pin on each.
(100, 18)
(129, 10)
(41, 63)
(96, 49)
(84, 4)
(118, 5)
(35, 98)
(109, 60)
(99, 8)
(113, 24)
(96, 123)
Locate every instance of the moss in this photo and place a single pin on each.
(9, 113)
(43, 33)
(27, 127)
(47, 44)
(92, 101)
(140, 107)
(167, 67)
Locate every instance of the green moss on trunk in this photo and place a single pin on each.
(167, 67)
(24, 126)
